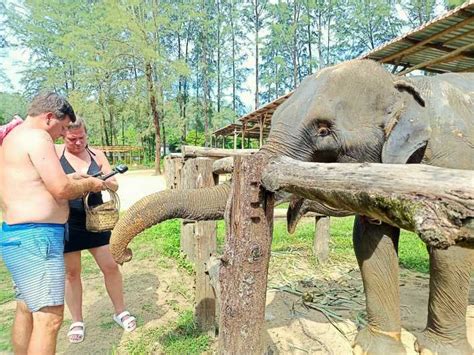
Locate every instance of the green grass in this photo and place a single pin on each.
(162, 242)
(180, 337)
(412, 251)
(6, 289)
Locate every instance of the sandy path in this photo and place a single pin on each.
(135, 184)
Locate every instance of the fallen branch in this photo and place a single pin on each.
(435, 203)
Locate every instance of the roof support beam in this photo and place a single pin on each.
(441, 47)
(419, 46)
(444, 58)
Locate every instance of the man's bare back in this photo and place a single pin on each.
(25, 196)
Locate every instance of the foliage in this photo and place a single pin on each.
(148, 73)
(180, 337)
(11, 104)
(195, 138)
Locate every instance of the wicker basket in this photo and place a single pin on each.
(102, 218)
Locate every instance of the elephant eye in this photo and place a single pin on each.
(323, 130)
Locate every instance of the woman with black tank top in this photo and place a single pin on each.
(76, 157)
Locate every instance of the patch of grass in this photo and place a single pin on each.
(107, 324)
(180, 337)
(6, 289)
(162, 239)
(413, 253)
(5, 329)
(88, 264)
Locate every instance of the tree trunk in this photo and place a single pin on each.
(320, 41)
(185, 90)
(257, 28)
(234, 91)
(308, 29)
(155, 115)
(219, 88)
(435, 203)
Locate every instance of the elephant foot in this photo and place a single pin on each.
(370, 341)
(428, 343)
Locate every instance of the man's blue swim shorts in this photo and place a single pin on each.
(33, 253)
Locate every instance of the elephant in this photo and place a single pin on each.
(356, 111)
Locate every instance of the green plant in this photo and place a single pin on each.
(180, 337)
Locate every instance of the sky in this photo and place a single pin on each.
(14, 60)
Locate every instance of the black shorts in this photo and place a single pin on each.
(79, 237)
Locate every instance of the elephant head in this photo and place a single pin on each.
(352, 112)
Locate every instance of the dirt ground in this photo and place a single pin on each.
(157, 290)
(135, 184)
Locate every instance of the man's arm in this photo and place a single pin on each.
(43, 156)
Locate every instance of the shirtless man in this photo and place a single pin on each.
(35, 193)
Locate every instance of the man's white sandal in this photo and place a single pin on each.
(128, 324)
(80, 330)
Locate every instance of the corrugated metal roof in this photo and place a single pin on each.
(445, 44)
(267, 109)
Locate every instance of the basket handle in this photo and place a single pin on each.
(113, 197)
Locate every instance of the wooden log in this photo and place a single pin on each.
(205, 236)
(196, 173)
(321, 239)
(186, 243)
(223, 166)
(205, 298)
(189, 151)
(435, 203)
(173, 167)
(243, 274)
(212, 270)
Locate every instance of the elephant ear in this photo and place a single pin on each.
(408, 132)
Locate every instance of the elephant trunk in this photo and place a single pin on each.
(197, 204)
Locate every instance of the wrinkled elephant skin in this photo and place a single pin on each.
(357, 112)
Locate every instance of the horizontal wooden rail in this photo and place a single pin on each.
(435, 203)
(189, 151)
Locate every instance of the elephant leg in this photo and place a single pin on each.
(376, 249)
(445, 331)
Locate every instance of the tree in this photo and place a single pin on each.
(256, 12)
(11, 104)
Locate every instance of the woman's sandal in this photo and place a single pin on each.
(78, 329)
(129, 324)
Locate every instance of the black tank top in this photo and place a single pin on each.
(95, 198)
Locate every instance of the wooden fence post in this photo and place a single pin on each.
(173, 170)
(243, 273)
(321, 238)
(205, 245)
(189, 179)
